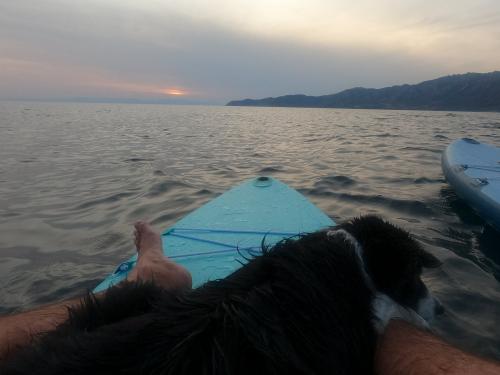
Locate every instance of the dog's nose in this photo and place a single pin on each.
(438, 307)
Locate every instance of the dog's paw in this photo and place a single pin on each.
(385, 308)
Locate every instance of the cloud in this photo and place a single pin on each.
(143, 49)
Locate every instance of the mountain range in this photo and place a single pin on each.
(460, 92)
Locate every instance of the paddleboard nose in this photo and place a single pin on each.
(263, 181)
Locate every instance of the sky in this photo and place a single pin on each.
(213, 51)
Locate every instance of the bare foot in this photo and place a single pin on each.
(153, 265)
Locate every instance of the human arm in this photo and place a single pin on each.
(406, 350)
(125, 300)
(19, 330)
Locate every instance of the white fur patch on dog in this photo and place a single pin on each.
(385, 308)
(427, 307)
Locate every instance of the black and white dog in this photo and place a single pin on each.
(311, 305)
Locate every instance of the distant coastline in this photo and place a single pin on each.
(460, 92)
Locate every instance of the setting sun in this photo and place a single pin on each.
(175, 92)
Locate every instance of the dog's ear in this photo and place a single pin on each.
(428, 260)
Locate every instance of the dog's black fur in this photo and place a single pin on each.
(302, 307)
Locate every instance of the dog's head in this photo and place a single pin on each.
(393, 261)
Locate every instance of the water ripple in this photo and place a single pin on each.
(68, 199)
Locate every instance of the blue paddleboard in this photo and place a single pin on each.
(214, 240)
(473, 170)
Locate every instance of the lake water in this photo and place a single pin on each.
(74, 177)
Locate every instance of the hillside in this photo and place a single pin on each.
(462, 92)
